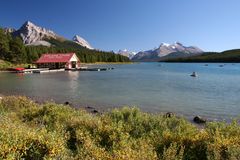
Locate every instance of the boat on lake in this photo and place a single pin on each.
(193, 74)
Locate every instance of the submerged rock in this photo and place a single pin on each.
(88, 107)
(169, 114)
(67, 103)
(199, 120)
(95, 111)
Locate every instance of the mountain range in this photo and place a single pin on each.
(126, 53)
(32, 34)
(165, 51)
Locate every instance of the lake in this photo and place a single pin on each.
(153, 87)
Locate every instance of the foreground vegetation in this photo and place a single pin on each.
(13, 50)
(50, 131)
(226, 56)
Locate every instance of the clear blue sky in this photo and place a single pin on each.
(213, 25)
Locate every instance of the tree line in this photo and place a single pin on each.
(226, 56)
(12, 49)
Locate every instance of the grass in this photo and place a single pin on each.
(4, 65)
(52, 131)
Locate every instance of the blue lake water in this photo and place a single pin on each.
(153, 87)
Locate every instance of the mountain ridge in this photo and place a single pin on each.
(165, 49)
(126, 53)
(35, 35)
(79, 40)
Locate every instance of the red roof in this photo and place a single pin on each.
(55, 58)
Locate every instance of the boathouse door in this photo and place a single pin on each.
(57, 65)
(73, 64)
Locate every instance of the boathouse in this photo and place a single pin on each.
(58, 60)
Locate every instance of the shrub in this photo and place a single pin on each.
(51, 131)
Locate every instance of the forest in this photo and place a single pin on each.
(13, 50)
(229, 56)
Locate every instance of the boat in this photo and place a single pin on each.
(193, 74)
(19, 70)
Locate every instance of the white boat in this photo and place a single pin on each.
(193, 74)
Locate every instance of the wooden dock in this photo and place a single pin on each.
(50, 70)
(47, 70)
(39, 70)
(94, 69)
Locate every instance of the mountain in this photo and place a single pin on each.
(81, 41)
(126, 53)
(166, 49)
(33, 35)
(9, 30)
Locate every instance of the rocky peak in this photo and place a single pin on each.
(164, 45)
(31, 33)
(178, 43)
(28, 23)
(126, 53)
(79, 40)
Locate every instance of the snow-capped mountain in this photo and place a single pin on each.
(81, 41)
(126, 53)
(32, 34)
(165, 49)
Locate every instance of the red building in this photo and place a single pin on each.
(59, 60)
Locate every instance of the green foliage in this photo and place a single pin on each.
(4, 44)
(4, 64)
(226, 56)
(17, 52)
(13, 50)
(51, 131)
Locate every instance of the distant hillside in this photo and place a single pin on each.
(177, 55)
(226, 56)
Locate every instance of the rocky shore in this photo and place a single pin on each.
(196, 119)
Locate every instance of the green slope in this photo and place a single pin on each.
(226, 56)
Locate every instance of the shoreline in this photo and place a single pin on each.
(101, 110)
(106, 63)
(7, 70)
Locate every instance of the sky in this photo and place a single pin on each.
(212, 25)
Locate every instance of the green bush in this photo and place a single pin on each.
(51, 131)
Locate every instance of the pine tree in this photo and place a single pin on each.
(4, 45)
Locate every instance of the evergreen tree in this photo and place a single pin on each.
(17, 51)
(4, 45)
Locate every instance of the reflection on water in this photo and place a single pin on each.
(153, 87)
